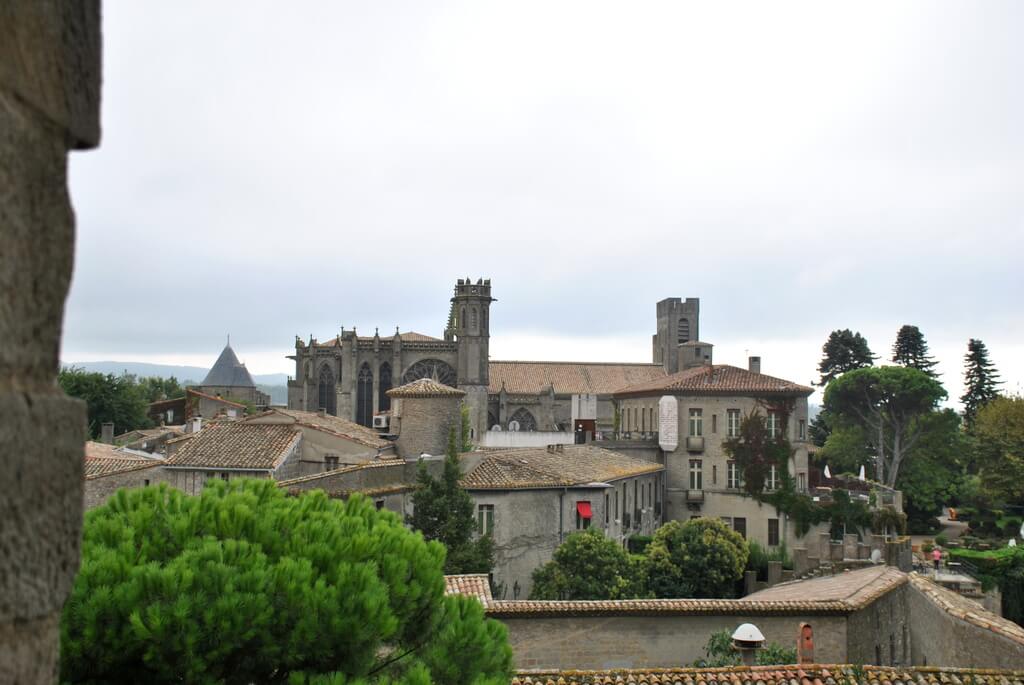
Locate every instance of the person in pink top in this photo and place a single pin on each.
(936, 557)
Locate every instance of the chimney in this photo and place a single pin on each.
(747, 640)
(197, 424)
(107, 433)
(754, 364)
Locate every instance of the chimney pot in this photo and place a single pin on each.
(754, 364)
(107, 433)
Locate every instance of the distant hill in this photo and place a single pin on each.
(274, 384)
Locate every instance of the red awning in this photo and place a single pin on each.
(583, 509)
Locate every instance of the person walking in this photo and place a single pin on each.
(937, 558)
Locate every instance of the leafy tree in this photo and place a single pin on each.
(888, 403)
(818, 430)
(999, 436)
(588, 566)
(699, 558)
(980, 380)
(933, 475)
(846, 448)
(115, 399)
(244, 584)
(843, 351)
(465, 443)
(911, 350)
(443, 511)
(719, 652)
(156, 388)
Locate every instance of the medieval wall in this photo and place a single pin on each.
(99, 490)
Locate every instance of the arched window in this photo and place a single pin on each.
(364, 396)
(525, 419)
(326, 397)
(431, 368)
(684, 330)
(462, 318)
(384, 384)
(483, 320)
(492, 420)
(473, 321)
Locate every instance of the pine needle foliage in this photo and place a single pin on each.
(244, 584)
(981, 380)
(910, 349)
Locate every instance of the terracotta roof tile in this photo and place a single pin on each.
(655, 607)
(470, 584)
(808, 674)
(425, 387)
(106, 460)
(966, 609)
(568, 378)
(538, 467)
(326, 422)
(858, 588)
(193, 391)
(237, 445)
(380, 463)
(716, 379)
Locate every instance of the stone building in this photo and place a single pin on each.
(109, 468)
(529, 500)
(231, 380)
(873, 616)
(279, 444)
(423, 413)
(692, 412)
(350, 375)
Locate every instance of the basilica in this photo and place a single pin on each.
(349, 375)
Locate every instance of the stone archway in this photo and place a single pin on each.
(431, 368)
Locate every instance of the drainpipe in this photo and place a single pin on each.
(561, 515)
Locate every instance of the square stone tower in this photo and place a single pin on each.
(469, 325)
(678, 323)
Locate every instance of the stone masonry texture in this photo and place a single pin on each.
(49, 103)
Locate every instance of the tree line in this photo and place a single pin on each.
(122, 400)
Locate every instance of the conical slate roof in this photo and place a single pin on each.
(228, 372)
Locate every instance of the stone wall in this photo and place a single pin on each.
(880, 633)
(658, 641)
(938, 638)
(99, 490)
(424, 424)
(49, 104)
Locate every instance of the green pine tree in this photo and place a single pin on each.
(443, 511)
(244, 584)
(910, 349)
(843, 351)
(981, 380)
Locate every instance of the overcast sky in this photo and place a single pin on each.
(268, 171)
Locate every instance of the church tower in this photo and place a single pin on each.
(678, 324)
(469, 325)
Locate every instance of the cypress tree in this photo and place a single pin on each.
(843, 351)
(980, 380)
(910, 349)
(443, 511)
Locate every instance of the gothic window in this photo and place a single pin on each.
(462, 318)
(525, 419)
(384, 384)
(431, 368)
(473, 319)
(492, 420)
(364, 396)
(684, 330)
(483, 319)
(326, 397)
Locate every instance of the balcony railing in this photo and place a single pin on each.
(694, 496)
(694, 444)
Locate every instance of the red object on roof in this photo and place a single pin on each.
(583, 509)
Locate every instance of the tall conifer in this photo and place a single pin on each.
(910, 349)
(980, 380)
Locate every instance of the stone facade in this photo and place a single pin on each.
(350, 375)
(49, 104)
(99, 489)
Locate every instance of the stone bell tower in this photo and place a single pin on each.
(469, 325)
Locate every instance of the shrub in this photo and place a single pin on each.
(699, 558)
(637, 544)
(588, 566)
(245, 584)
(941, 540)
(719, 652)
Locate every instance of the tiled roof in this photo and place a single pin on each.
(537, 467)
(193, 391)
(228, 372)
(965, 609)
(858, 588)
(380, 463)
(425, 387)
(568, 378)
(715, 379)
(106, 460)
(331, 424)
(660, 607)
(237, 445)
(807, 674)
(470, 584)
